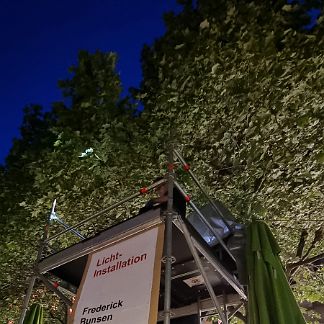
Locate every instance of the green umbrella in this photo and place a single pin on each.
(270, 299)
(34, 315)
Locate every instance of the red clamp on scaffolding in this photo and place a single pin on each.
(143, 190)
(187, 198)
(171, 167)
(186, 167)
(56, 284)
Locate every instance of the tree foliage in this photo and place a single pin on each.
(242, 90)
(46, 163)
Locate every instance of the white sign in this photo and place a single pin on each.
(117, 286)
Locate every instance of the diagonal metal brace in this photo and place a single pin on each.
(183, 162)
(49, 286)
(201, 269)
(205, 221)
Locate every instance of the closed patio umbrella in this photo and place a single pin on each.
(270, 299)
(34, 315)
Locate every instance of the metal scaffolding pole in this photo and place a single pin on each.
(67, 227)
(168, 242)
(220, 269)
(49, 286)
(183, 162)
(224, 306)
(203, 218)
(103, 211)
(199, 310)
(26, 299)
(42, 246)
(201, 269)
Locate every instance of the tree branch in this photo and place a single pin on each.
(301, 244)
(291, 266)
(318, 236)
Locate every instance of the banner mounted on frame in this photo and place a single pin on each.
(121, 282)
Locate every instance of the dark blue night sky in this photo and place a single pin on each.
(40, 40)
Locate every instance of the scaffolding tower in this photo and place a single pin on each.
(197, 278)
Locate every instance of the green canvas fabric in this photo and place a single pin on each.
(270, 299)
(34, 315)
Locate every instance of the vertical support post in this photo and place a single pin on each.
(33, 278)
(168, 241)
(225, 308)
(199, 310)
(26, 299)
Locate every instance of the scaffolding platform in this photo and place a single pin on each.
(189, 294)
